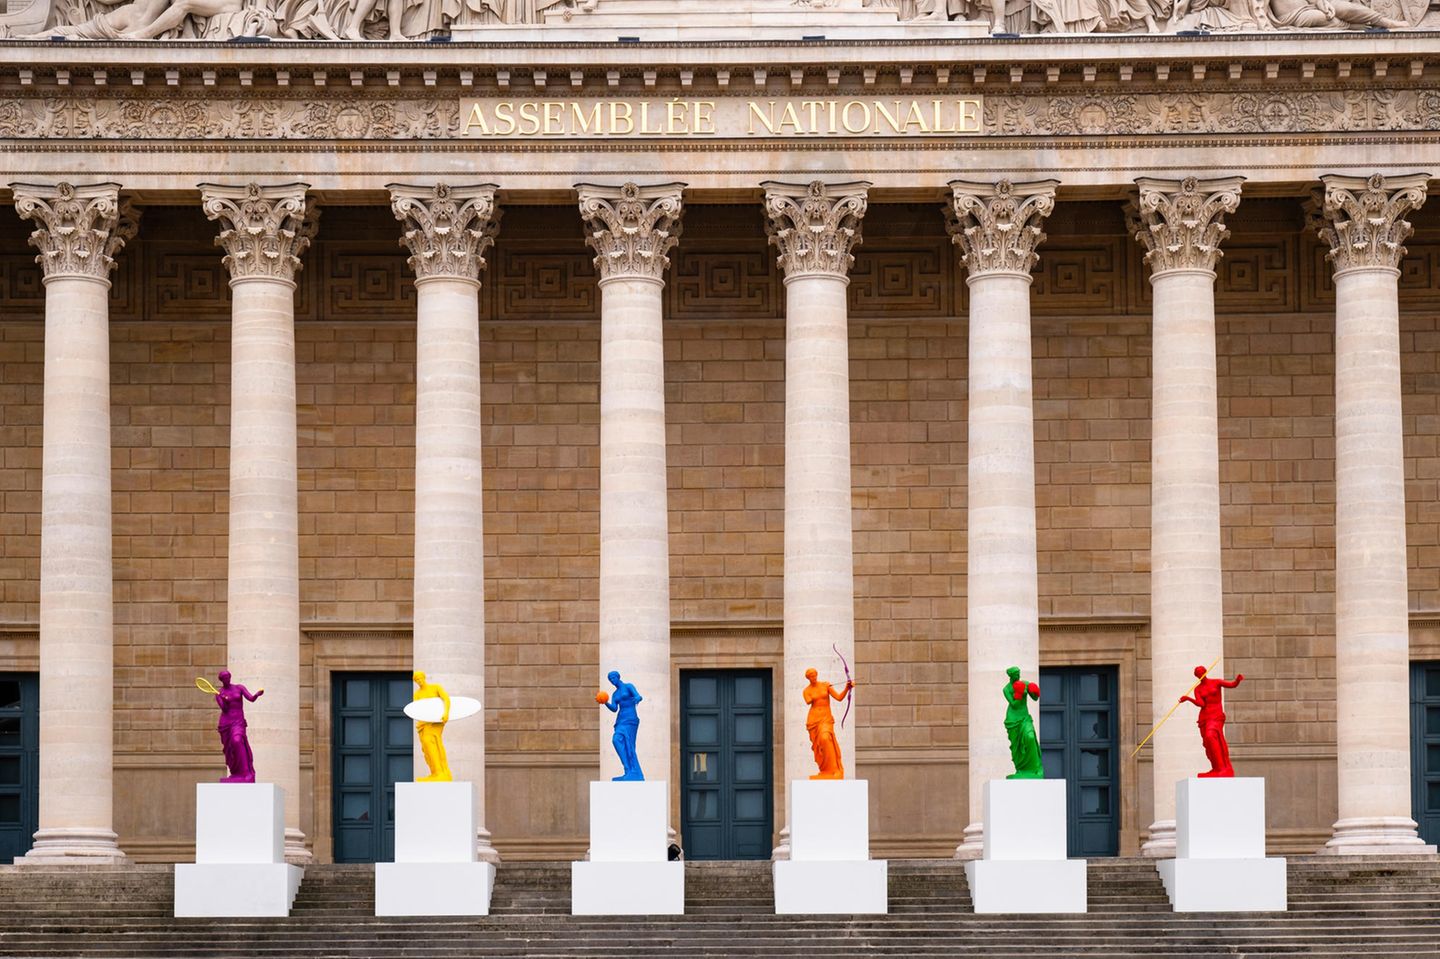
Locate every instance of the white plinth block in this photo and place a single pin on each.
(830, 871)
(627, 888)
(829, 820)
(435, 872)
(628, 873)
(434, 822)
(1220, 863)
(628, 820)
(1024, 869)
(239, 822)
(240, 868)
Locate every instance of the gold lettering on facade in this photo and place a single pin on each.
(737, 118)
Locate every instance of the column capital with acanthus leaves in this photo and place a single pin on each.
(79, 229)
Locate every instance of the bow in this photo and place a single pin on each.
(851, 697)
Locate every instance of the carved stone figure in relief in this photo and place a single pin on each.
(1326, 15)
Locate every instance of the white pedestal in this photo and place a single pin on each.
(628, 873)
(435, 872)
(1024, 869)
(830, 871)
(239, 868)
(1220, 863)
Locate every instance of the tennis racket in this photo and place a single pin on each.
(204, 686)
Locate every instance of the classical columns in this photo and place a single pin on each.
(79, 229)
(816, 227)
(997, 228)
(448, 231)
(264, 229)
(632, 230)
(1363, 222)
(1180, 223)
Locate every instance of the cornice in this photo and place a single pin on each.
(562, 69)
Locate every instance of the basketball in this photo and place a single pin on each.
(602, 697)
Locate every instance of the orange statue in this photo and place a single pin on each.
(820, 723)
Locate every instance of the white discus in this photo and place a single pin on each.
(431, 710)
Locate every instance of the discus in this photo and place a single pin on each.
(204, 685)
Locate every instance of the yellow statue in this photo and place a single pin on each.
(431, 743)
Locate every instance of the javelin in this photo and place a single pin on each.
(1173, 708)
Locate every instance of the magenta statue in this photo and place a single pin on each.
(1210, 697)
(231, 697)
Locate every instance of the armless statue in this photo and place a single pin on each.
(820, 724)
(627, 725)
(231, 698)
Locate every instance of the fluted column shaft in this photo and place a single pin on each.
(448, 231)
(816, 227)
(997, 227)
(1363, 222)
(79, 230)
(264, 231)
(632, 230)
(1180, 225)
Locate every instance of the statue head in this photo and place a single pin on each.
(224, 677)
(614, 677)
(810, 674)
(1199, 672)
(419, 678)
(1014, 673)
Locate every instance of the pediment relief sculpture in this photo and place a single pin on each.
(421, 19)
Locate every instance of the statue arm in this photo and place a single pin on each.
(1189, 699)
(445, 698)
(842, 693)
(1232, 683)
(249, 696)
(636, 693)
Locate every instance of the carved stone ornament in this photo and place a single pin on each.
(79, 229)
(631, 228)
(447, 229)
(997, 225)
(1362, 219)
(264, 228)
(1181, 223)
(815, 226)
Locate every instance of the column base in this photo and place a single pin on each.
(1160, 840)
(484, 851)
(74, 846)
(972, 845)
(781, 853)
(1376, 836)
(296, 852)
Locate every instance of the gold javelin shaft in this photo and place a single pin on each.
(1172, 710)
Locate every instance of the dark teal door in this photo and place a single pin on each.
(727, 797)
(1425, 748)
(1079, 718)
(372, 752)
(19, 763)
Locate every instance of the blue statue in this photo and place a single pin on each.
(627, 724)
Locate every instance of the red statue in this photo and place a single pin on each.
(1209, 696)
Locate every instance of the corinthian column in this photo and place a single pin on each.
(1363, 222)
(78, 232)
(1181, 224)
(448, 231)
(264, 231)
(632, 230)
(816, 227)
(997, 228)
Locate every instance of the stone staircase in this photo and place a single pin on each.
(1375, 908)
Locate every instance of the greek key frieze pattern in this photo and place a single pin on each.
(375, 117)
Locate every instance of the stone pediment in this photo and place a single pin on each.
(610, 21)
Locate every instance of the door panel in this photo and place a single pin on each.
(19, 763)
(1425, 748)
(372, 751)
(727, 800)
(1079, 716)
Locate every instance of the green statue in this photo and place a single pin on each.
(1024, 746)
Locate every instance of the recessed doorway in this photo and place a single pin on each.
(727, 796)
(372, 749)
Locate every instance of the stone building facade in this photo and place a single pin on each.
(1069, 355)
